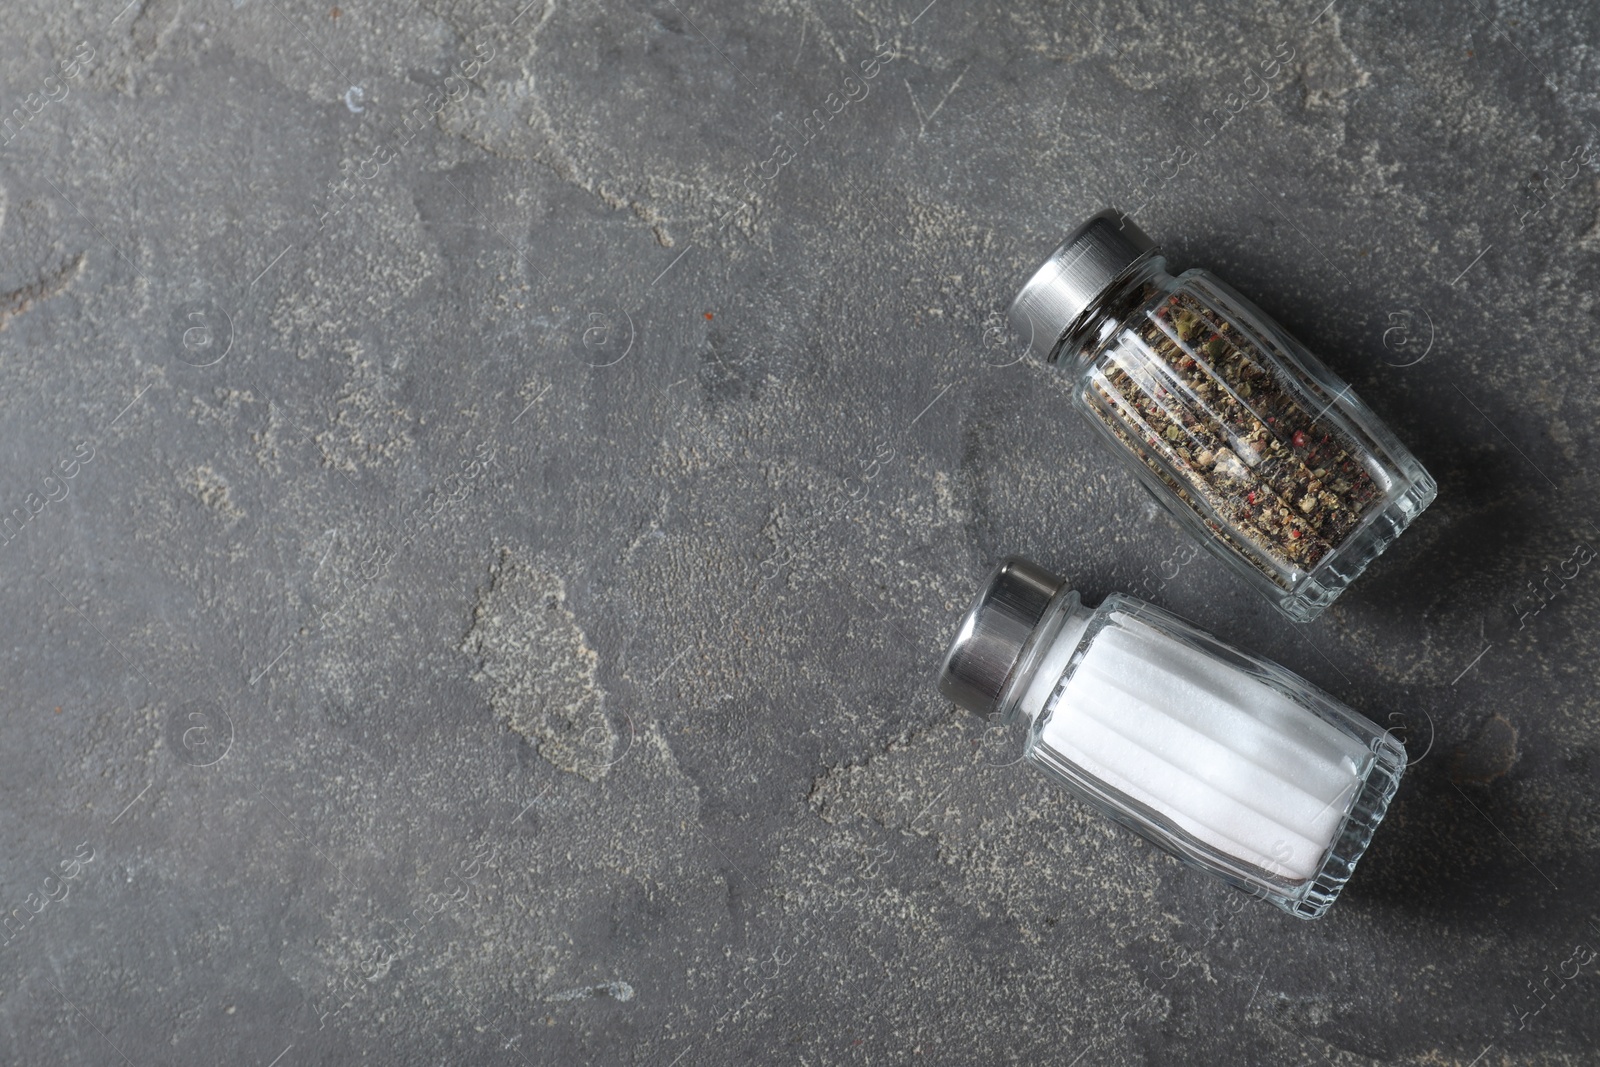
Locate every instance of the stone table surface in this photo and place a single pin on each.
(486, 486)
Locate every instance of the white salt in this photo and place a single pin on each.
(1222, 756)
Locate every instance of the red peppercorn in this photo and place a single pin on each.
(1294, 535)
(1299, 439)
(1251, 496)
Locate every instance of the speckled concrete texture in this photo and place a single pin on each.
(486, 486)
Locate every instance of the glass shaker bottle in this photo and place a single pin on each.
(1224, 759)
(1237, 430)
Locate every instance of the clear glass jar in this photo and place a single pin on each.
(1224, 759)
(1238, 431)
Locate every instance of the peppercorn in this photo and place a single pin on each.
(1190, 404)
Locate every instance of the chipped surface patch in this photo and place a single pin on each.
(539, 669)
(209, 487)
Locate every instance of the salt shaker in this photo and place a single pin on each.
(1238, 431)
(1223, 759)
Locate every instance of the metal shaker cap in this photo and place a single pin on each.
(1095, 256)
(994, 634)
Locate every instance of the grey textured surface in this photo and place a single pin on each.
(496, 621)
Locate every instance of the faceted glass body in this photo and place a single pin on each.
(1222, 758)
(1243, 435)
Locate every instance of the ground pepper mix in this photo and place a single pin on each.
(1198, 406)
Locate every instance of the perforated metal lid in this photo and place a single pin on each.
(994, 633)
(1093, 258)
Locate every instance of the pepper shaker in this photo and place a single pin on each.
(1239, 432)
(1223, 759)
